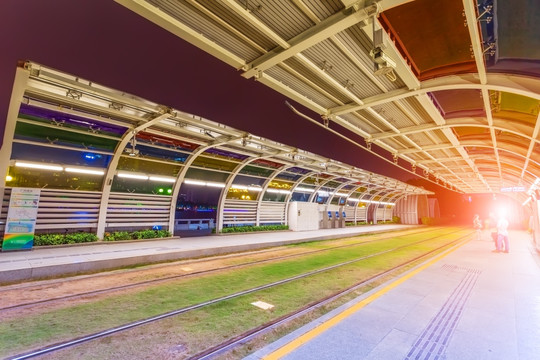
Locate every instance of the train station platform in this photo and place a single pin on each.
(54, 261)
(469, 303)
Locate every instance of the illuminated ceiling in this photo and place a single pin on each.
(450, 93)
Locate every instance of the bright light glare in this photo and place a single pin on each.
(163, 179)
(194, 182)
(277, 191)
(239, 187)
(84, 171)
(305, 190)
(38, 166)
(133, 176)
(204, 183)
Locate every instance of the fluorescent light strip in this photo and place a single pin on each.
(304, 190)
(373, 202)
(341, 194)
(278, 191)
(133, 176)
(163, 179)
(194, 182)
(38, 166)
(84, 171)
(204, 183)
(239, 187)
(254, 188)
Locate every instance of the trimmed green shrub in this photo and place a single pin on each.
(135, 235)
(251, 228)
(61, 239)
(355, 223)
(83, 237)
(117, 236)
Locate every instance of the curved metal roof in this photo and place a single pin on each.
(450, 87)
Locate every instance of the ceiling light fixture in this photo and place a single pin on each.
(163, 179)
(38, 166)
(133, 176)
(84, 171)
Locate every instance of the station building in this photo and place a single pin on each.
(448, 92)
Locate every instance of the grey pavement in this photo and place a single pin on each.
(471, 304)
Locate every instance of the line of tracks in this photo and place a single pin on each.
(226, 346)
(179, 276)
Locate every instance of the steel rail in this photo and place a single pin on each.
(173, 277)
(249, 335)
(111, 331)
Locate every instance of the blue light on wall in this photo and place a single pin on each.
(91, 156)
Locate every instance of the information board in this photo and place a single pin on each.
(21, 219)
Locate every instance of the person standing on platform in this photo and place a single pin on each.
(477, 224)
(502, 234)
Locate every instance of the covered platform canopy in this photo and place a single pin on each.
(449, 89)
(105, 160)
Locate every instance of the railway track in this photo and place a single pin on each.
(266, 327)
(247, 336)
(118, 288)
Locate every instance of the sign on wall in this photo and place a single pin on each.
(21, 219)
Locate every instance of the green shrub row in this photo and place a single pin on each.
(135, 235)
(60, 239)
(250, 228)
(355, 223)
(82, 237)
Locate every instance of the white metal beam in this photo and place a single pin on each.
(111, 170)
(476, 41)
(534, 141)
(315, 34)
(19, 84)
(520, 85)
(174, 26)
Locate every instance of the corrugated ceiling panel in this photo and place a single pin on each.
(201, 23)
(413, 106)
(439, 135)
(394, 115)
(359, 122)
(341, 69)
(381, 126)
(299, 86)
(282, 16)
(324, 9)
(308, 72)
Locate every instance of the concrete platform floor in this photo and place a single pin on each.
(470, 303)
(46, 262)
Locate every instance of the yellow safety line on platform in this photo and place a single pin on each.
(299, 341)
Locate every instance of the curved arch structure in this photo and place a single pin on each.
(413, 78)
(106, 160)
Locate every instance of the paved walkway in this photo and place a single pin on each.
(43, 262)
(468, 304)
